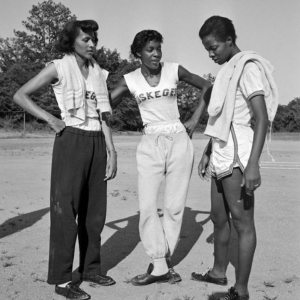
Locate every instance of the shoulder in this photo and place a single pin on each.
(170, 65)
(251, 68)
(133, 74)
(105, 73)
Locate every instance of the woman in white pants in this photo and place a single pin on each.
(165, 150)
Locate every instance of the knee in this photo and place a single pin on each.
(243, 225)
(174, 212)
(95, 224)
(218, 220)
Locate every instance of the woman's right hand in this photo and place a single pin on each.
(56, 124)
(203, 169)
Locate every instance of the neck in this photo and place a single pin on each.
(150, 72)
(82, 62)
(235, 51)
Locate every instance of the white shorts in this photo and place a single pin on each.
(234, 153)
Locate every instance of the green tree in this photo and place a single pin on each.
(35, 45)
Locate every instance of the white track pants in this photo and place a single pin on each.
(163, 155)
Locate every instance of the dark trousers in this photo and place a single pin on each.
(78, 199)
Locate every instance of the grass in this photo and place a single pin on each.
(289, 279)
(266, 297)
(269, 284)
(7, 264)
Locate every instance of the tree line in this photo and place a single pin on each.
(25, 54)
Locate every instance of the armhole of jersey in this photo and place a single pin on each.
(129, 79)
(57, 67)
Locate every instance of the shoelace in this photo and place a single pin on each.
(76, 289)
(162, 134)
(230, 296)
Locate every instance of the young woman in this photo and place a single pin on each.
(165, 150)
(80, 168)
(244, 87)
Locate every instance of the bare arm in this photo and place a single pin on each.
(203, 85)
(117, 93)
(252, 178)
(22, 97)
(111, 167)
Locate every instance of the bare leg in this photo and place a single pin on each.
(220, 218)
(241, 207)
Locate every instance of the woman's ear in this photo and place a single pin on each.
(138, 54)
(229, 41)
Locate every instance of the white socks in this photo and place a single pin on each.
(64, 284)
(160, 267)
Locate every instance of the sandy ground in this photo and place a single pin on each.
(24, 227)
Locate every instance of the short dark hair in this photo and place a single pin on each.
(66, 38)
(142, 38)
(220, 27)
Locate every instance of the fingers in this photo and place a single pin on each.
(111, 174)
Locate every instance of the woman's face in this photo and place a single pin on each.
(84, 44)
(219, 52)
(151, 54)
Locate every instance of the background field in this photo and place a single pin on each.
(24, 225)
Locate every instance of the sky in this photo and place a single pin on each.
(269, 27)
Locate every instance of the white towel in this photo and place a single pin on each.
(222, 101)
(74, 87)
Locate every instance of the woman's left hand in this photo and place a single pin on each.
(190, 126)
(251, 178)
(111, 167)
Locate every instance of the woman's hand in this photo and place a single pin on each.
(203, 168)
(111, 166)
(56, 124)
(190, 126)
(251, 178)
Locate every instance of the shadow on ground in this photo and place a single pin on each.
(21, 222)
(126, 238)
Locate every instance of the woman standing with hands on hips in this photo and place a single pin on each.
(165, 150)
(80, 168)
(244, 88)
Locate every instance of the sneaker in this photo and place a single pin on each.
(233, 295)
(205, 277)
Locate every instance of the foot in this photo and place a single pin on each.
(233, 295)
(72, 291)
(98, 279)
(147, 278)
(205, 277)
(175, 277)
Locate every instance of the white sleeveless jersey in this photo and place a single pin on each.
(156, 104)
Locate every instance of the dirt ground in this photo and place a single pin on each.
(24, 227)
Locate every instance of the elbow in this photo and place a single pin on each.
(16, 97)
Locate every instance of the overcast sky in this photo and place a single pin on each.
(270, 27)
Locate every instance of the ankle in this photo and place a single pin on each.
(241, 289)
(214, 272)
(160, 267)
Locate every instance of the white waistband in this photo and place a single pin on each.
(173, 126)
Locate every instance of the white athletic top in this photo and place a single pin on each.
(92, 121)
(157, 105)
(250, 85)
(222, 160)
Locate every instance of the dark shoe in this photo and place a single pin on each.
(98, 279)
(147, 278)
(233, 295)
(175, 276)
(72, 291)
(205, 277)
